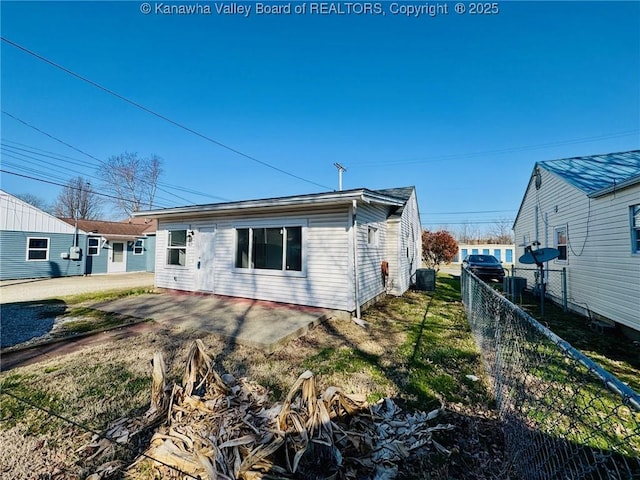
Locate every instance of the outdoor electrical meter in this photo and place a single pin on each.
(74, 253)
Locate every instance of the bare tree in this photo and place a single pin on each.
(468, 233)
(78, 200)
(133, 180)
(35, 201)
(501, 231)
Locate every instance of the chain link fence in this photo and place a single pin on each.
(564, 417)
(555, 281)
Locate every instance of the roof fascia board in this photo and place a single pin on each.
(275, 203)
(614, 188)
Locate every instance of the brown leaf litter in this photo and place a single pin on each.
(219, 427)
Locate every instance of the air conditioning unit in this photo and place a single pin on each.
(425, 279)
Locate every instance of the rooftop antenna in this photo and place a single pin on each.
(340, 170)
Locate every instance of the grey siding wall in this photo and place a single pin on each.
(393, 255)
(371, 255)
(603, 275)
(410, 246)
(13, 263)
(324, 282)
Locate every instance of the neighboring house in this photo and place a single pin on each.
(34, 244)
(503, 252)
(589, 209)
(117, 247)
(323, 250)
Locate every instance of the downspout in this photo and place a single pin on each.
(354, 236)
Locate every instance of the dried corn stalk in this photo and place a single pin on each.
(218, 427)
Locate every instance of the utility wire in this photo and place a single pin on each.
(101, 162)
(60, 184)
(75, 161)
(161, 201)
(158, 115)
(461, 156)
(90, 430)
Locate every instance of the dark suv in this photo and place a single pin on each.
(486, 267)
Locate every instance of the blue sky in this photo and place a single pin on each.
(461, 106)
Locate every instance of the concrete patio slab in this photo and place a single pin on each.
(249, 322)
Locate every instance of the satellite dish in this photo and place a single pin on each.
(539, 256)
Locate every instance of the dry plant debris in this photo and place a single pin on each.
(219, 427)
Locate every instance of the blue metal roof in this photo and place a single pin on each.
(597, 173)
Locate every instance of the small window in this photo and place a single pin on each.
(474, 251)
(242, 248)
(498, 254)
(485, 251)
(93, 246)
(138, 247)
(561, 243)
(508, 255)
(177, 248)
(37, 249)
(464, 253)
(372, 236)
(635, 228)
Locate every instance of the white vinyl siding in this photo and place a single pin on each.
(603, 276)
(327, 274)
(326, 282)
(19, 216)
(371, 218)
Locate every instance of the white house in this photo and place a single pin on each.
(323, 250)
(589, 209)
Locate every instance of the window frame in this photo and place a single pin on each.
(38, 249)
(508, 255)
(170, 248)
(634, 211)
(141, 246)
(97, 247)
(556, 231)
(373, 236)
(284, 225)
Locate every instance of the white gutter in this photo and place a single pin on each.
(301, 200)
(354, 236)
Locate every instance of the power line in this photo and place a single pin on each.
(75, 161)
(158, 115)
(12, 154)
(466, 213)
(502, 151)
(60, 184)
(90, 430)
(101, 162)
